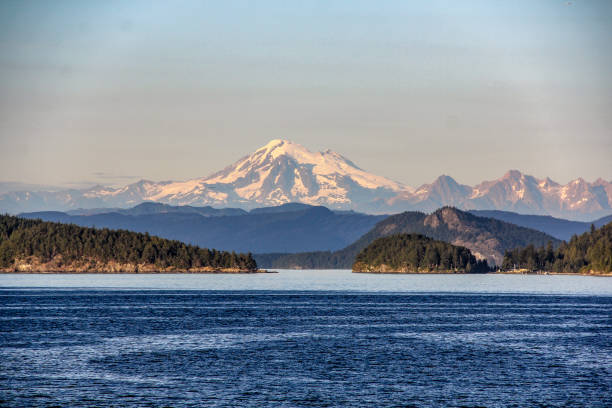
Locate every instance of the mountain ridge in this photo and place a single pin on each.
(283, 172)
(486, 238)
(286, 228)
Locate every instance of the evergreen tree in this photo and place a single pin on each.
(591, 251)
(414, 252)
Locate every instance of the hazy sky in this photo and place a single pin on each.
(113, 91)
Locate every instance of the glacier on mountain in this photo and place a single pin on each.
(283, 171)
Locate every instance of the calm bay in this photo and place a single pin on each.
(305, 338)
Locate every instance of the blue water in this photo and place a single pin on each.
(66, 341)
(315, 280)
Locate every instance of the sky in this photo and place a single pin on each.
(111, 92)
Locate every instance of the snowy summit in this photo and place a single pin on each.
(283, 171)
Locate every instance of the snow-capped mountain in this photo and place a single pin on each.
(525, 194)
(283, 171)
(279, 172)
(516, 192)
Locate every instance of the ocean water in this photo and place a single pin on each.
(252, 340)
(316, 280)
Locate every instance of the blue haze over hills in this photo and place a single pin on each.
(300, 228)
(289, 228)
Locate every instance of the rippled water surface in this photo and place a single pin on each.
(135, 347)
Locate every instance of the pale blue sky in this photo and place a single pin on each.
(113, 91)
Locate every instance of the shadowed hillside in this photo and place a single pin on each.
(487, 238)
(285, 228)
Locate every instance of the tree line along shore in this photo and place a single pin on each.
(589, 253)
(37, 246)
(416, 253)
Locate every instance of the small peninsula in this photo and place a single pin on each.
(415, 253)
(35, 246)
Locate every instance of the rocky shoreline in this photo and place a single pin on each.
(177, 271)
(35, 266)
(386, 271)
(586, 273)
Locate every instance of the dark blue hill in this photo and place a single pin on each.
(281, 229)
(556, 227)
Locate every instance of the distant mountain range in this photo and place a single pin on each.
(487, 238)
(292, 227)
(150, 208)
(283, 172)
(286, 228)
(520, 193)
(556, 227)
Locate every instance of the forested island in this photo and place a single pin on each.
(36, 246)
(589, 253)
(416, 253)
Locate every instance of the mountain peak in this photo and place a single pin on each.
(579, 180)
(283, 171)
(450, 214)
(275, 142)
(280, 147)
(601, 182)
(445, 179)
(278, 143)
(513, 175)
